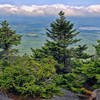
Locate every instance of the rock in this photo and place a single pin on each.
(4, 97)
(68, 95)
(97, 94)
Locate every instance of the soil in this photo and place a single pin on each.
(15, 97)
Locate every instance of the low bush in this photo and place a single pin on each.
(29, 78)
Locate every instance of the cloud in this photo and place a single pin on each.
(90, 28)
(45, 10)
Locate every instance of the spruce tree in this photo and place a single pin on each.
(97, 47)
(8, 39)
(80, 53)
(62, 35)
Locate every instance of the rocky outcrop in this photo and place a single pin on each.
(68, 95)
(4, 97)
(97, 94)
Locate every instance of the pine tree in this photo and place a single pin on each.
(80, 53)
(97, 47)
(62, 35)
(8, 39)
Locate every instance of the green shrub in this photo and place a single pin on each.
(29, 78)
(69, 81)
(84, 75)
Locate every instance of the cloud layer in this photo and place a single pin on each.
(45, 10)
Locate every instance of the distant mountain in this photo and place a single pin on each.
(89, 29)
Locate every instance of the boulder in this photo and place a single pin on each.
(4, 97)
(68, 95)
(97, 94)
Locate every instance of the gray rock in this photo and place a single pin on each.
(68, 95)
(97, 94)
(4, 97)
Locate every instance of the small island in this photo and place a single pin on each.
(31, 34)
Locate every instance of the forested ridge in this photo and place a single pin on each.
(54, 66)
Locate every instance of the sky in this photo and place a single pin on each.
(49, 2)
(50, 7)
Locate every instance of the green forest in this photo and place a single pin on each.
(54, 66)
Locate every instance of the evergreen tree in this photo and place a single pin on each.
(62, 35)
(80, 53)
(8, 39)
(97, 47)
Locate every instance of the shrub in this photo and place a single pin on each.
(29, 78)
(84, 75)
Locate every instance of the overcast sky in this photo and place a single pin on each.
(50, 7)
